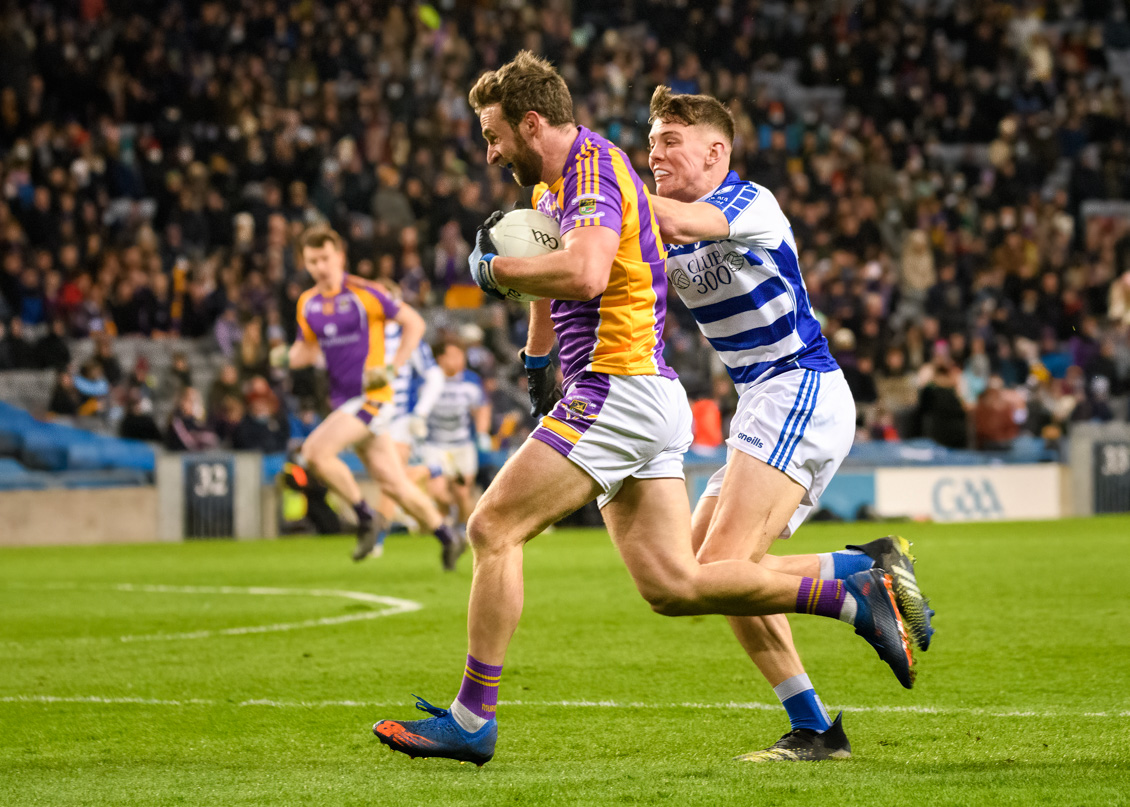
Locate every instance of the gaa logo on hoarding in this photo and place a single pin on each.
(966, 499)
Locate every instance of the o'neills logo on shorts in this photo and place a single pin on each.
(753, 441)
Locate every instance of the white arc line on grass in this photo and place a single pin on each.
(750, 706)
(395, 605)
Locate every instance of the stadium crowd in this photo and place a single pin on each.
(939, 164)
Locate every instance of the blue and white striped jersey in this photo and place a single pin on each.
(450, 422)
(746, 292)
(408, 386)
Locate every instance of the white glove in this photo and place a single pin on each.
(417, 427)
(378, 377)
(279, 357)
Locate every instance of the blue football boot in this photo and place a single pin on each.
(878, 621)
(892, 555)
(438, 736)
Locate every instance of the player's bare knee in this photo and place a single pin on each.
(312, 456)
(671, 596)
(489, 531)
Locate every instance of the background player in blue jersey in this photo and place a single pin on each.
(733, 261)
(459, 425)
(343, 318)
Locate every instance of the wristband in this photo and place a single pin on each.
(535, 362)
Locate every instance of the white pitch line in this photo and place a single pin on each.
(584, 704)
(395, 605)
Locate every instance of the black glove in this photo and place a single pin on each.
(482, 237)
(544, 390)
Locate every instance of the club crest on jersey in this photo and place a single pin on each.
(578, 407)
(343, 305)
(587, 207)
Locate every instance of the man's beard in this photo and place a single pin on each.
(526, 164)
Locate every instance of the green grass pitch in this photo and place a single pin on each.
(206, 701)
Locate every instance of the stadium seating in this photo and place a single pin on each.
(82, 458)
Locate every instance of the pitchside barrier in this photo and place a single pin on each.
(232, 495)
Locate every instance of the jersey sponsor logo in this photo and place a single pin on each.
(753, 441)
(330, 329)
(595, 196)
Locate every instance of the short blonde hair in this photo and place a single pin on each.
(318, 235)
(527, 83)
(691, 110)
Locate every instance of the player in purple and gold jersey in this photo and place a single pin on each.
(343, 318)
(619, 433)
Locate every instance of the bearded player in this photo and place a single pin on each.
(343, 318)
(618, 435)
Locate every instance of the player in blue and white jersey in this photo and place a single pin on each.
(415, 391)
(458, 427)
(732, 259)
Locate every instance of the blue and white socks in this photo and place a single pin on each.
(802, 704)
(843, 564)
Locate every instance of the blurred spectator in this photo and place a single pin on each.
(65, 399)
(226, 417)
(261, 429)
(225, 385)
(138, 422)
(177, 379)
(251, 357)
(139, 383)
(21, 353)
(996, 417)
(51, 351)
(93, 387)
(186, 430)
(106, 358)
(5, 348)
(941, 413)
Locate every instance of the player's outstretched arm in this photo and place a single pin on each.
(577, 271)
(412, 330)
(686, 223)
(300, 354)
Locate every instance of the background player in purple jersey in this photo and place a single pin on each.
(619, 433)
(343, 318)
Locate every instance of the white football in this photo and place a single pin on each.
(525, 234)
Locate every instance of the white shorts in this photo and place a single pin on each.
(398, 430)
(801, 422)
(452, 458)
(618, 426)
(374, 414)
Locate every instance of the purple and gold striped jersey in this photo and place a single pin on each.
(349, 327)
(619, 332)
